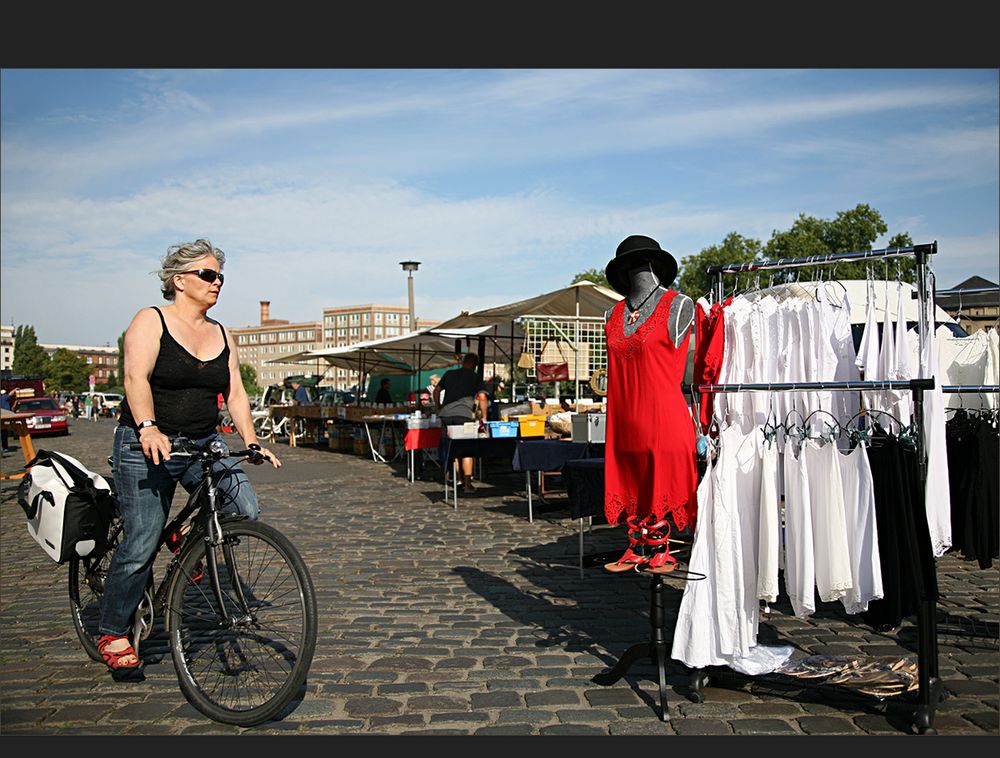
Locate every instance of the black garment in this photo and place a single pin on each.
(383, 396)
(904, 541)
(972, 472)
(185, 389)
(460, 387)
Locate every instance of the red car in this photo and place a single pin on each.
(46, 416)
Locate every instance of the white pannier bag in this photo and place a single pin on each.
(68, 506)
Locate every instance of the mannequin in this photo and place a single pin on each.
(650, 463)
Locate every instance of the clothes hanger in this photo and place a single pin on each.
(835, 429)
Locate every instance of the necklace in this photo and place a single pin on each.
(634, 315)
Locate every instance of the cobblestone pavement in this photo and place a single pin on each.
(437, 621)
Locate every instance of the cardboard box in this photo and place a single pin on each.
(588, 427)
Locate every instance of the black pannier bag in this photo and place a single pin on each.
(69, 507)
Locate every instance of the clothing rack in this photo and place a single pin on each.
(928, 678)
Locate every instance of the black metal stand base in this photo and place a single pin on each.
(655, 649)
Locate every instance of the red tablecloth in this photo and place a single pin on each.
(421, 438)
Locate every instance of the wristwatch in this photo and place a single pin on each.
(146, 423)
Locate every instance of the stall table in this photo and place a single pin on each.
(391, 424)
(585, 485)
(548, 456)
(422, 440)
(16, 421)
(451, 450)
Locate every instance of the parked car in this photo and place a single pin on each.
(46, 415)
(110, 402)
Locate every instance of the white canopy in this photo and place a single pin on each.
(420, 350)
(580, 299)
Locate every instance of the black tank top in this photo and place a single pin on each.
(185, 389)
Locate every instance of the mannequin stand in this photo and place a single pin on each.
(655, 649)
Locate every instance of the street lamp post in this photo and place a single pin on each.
(410, 267)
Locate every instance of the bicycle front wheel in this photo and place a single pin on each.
(242, 662)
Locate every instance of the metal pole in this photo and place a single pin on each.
(409, 287)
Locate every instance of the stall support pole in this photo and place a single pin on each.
(655, 649)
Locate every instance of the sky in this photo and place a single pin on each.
(502, 183)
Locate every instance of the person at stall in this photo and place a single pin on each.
(383, 396)
(299, 394)
(5, 404)
(464, 395)
(177, 361)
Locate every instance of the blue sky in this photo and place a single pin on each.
(504, 183)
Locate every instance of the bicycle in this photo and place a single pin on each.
(237, 600)
(265, 426)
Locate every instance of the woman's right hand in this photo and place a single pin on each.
(155, 444)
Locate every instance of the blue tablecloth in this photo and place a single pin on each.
(584, 480)
(480, 447)
(550, 455)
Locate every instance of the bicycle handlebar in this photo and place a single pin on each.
(183, 446)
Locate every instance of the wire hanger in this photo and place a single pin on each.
(834, 430)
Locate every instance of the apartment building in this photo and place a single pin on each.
(6, 347)
(273, 338)
(347, 324)
(102, 360)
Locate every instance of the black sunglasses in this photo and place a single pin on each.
(208, 275)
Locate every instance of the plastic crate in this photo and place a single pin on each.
(503, 428)
(468, 431)
(531, 426)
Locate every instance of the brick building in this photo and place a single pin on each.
(102, 360)
(273, 337)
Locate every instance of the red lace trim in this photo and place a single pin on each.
(628, 345)
(681, 512)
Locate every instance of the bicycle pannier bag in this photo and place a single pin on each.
(68, 506)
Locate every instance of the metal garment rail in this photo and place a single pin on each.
(928, 676)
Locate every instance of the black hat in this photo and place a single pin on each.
(639, 249)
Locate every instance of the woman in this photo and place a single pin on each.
(177, 361)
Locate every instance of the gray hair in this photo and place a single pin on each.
(179, 257)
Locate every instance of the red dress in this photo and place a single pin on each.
(650, 464)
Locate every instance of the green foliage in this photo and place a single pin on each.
(851, 231)
(121, 356)
(694, 280)
(111, 385)
(595, 275)
(30, 359)
(249, 376)
(66, 372)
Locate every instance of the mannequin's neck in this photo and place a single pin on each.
(642, 281)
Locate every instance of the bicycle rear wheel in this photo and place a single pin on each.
(86, 588)
(245, 662)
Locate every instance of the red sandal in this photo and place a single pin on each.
(630, 559)
(113, 657)
(658, 535)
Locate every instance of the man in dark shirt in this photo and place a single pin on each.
(383, 396)
(463, 392)
(300, 396)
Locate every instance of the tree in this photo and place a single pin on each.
(694, 280)
(66, 372)
(111, 385)
(851, 231)
(121, 356)
(594, 275)
(249, 376)
(30, 359)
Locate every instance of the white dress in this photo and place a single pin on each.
(862, 531)
(868, 350)
(769, 540)
(708, 624)
(826, 499)
(800, 572)
(902, 371)
(845, 403)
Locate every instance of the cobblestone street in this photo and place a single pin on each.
(470, 621)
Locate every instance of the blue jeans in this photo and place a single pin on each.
(145, 492)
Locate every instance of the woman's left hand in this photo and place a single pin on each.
(264, 451)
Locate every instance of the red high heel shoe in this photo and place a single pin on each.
(630, 558)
